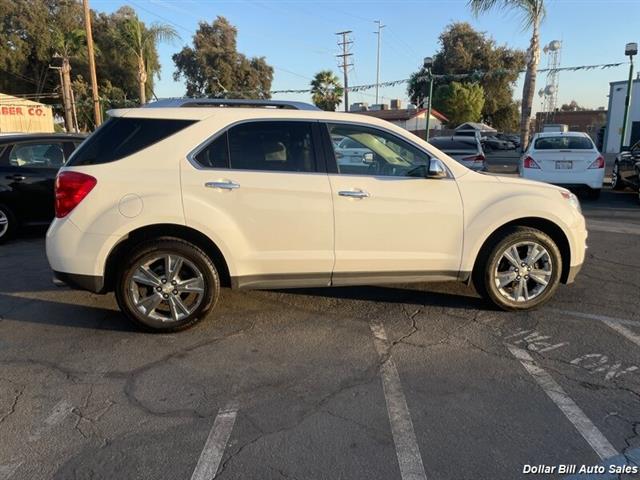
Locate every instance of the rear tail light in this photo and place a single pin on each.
(529, 162)
(71, 188)
(598, 162)
(474, 158)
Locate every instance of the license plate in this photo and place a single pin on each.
(565, 165)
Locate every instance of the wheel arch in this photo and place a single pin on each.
(149, 232)
(544, 225)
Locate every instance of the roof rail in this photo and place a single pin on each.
(229, 102)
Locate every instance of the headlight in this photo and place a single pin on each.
(572, 199)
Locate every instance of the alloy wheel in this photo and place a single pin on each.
(4, 223)
(614, 176)
(166, 287)
(523, 271)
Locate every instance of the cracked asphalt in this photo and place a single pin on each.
(83, 395)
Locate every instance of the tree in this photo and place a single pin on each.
(532, 13)
(141, 42)
(68, 44)
(464, 51)
(213, 67)
(460, 102)
(326, 90)
(572, 106)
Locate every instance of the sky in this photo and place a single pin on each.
(298, 39)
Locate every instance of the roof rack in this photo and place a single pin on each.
(227, 102)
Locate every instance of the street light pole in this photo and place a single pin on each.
(428, 62)
(630, 50)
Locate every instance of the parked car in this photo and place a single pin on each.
(28, 167)
(493, 143)
(254, 198)
(349, 151)
(510, 138)
(466, 150)
(568, 159)
(626, 169)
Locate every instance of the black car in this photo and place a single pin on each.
(626, 169)
(28, 167)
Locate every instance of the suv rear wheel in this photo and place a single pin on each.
(519, 270)
(166, 285)
(7, 223)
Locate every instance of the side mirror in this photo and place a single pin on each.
(367, 158)
(436, 169)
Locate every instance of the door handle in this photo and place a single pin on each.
(223, 184)
(17, 178)
(354, 193)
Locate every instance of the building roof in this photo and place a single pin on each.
(481, 127)
(402, 114)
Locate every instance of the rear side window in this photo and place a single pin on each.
(216, 154)
(37, 155)
(122, 136)
(563, 143)
(272, 146)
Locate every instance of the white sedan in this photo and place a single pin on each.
(569, 159)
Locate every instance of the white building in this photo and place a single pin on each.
(412, 119)
(617, 95)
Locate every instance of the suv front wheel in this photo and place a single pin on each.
(166, 285)
(519, 270)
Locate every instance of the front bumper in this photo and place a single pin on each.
(573, 273)
(77, 281)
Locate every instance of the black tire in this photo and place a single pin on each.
(158, 248)
(490, 256)
(8, 229)
(593, 193)
(616, 182)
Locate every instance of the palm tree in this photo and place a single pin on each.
(326, 90)
(532, 13)
(141, 41)
(67, 45)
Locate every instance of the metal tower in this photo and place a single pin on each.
(549, 93)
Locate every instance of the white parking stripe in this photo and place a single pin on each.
(611, 322)
(213, 450)
(571, 410)
(404, 437)
(610, 227)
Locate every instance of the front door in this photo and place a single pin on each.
(392, 223)
(258, 187)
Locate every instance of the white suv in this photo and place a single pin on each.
(164, 205)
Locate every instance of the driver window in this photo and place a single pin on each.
(368, 151)
(37, 155)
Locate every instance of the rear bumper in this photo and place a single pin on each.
(592, 178)
(77, 281)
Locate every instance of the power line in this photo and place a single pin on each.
(344, 57)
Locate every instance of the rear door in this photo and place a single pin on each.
(391, 223)
(564, 155)
(28, 171)
(262, 187)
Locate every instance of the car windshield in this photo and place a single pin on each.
(564, 142)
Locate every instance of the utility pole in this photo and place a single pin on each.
(379, 33)
(97, 112)
(344, 57)
(630, 50)
(66, 100)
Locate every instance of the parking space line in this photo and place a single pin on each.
(610, 227)
(213, 450)
(404, 437)
(567, 406)
(611, 322)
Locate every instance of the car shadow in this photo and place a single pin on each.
(386, 294)
(63, 314)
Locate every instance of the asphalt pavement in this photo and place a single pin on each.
(387, 382)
